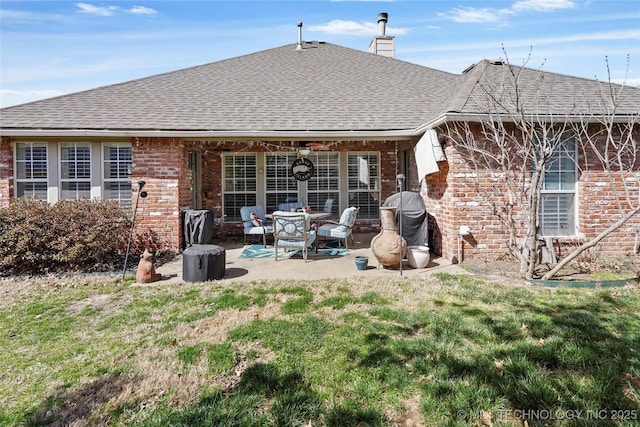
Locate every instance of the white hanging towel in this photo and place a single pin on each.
(428, 153)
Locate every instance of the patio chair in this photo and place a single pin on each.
(341, 230)
(328, 206)
(292, 230)
(255, 223)
(287, 207)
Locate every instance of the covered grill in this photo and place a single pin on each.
(415, 222)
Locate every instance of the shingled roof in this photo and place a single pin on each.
(537, 92)
(323, 89)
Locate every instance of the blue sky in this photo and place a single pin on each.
(49, 48)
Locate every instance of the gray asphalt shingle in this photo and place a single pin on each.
(324, 87)
(539, 92)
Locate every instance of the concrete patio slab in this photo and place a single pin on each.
(317, 267)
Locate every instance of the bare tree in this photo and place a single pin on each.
(515, 139)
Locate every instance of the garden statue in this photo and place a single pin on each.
(146, 272)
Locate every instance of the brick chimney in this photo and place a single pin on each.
(382, 44)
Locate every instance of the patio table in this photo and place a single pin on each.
(315, 216)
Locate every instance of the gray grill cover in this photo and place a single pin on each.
(201, 263)
(415, 223)
(198, 227)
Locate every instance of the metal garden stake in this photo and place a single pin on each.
(142, 194)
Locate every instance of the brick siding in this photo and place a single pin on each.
(162, 164)
(450, 199)
(6, 171)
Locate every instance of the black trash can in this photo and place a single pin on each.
(201, 263)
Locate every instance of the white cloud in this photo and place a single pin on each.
(97, 10)
(141, 10)
(499, 16)
(543, 5)
(471, 14)
(338, 26)
(111, 10)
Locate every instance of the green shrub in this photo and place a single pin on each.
(81, 235)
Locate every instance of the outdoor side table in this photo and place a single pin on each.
(201, 263)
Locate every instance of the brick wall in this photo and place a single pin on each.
(601, 202)
(450, 199)
(6, 171)
(453, 199)
(604, 192)
(162, 164)
(211, 177)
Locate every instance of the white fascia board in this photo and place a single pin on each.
(274, 135)
(538, 118)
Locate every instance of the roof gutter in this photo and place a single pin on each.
(399, 134)
(274, 135)
(539, 118)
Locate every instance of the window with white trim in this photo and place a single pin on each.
(240, 183)
(281, 186)
(558, 195)
(31, 170)
(363, 177)
(116, 159)
(75, 170)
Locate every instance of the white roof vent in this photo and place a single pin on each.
(299, 47)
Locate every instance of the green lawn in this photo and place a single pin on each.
(450, 350)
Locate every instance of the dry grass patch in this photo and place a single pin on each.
(214, 329)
